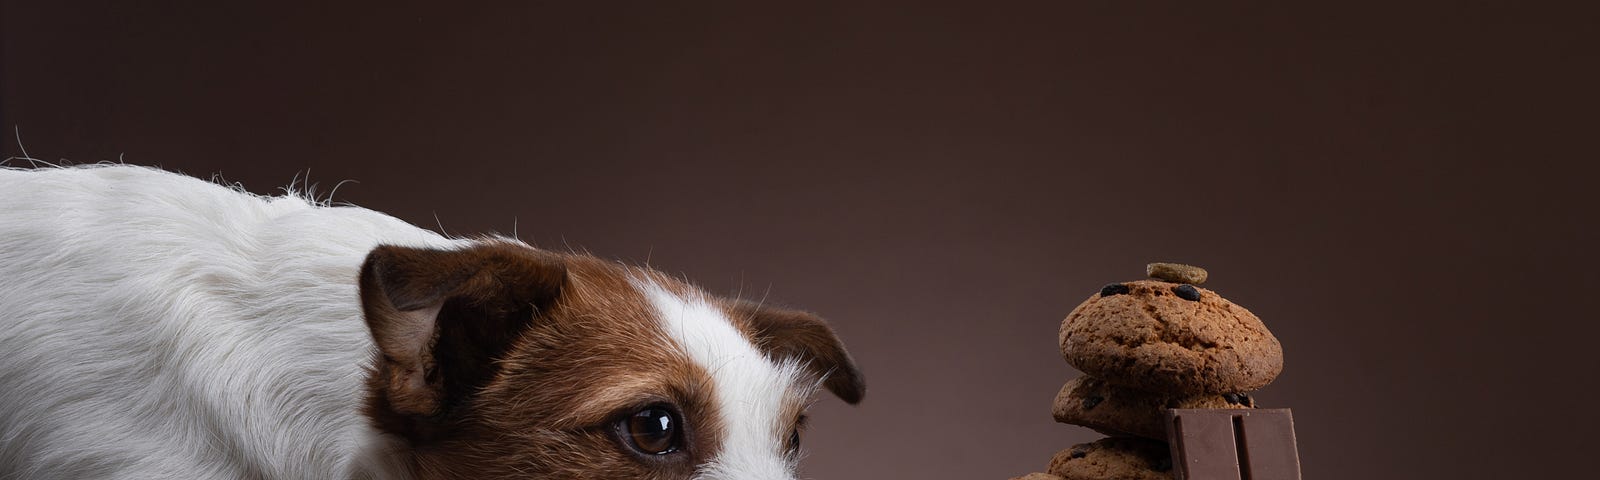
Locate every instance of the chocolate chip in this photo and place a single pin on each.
(1173, 403)
(1090, 401)
(1247, 401)
(1161, 464)
(1233, 398)
(1078, 454)
(1187, 292)
(1113, 289)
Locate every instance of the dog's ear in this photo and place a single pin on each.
(784, 334)
(441, 319)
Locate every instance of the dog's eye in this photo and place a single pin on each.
(654, 430)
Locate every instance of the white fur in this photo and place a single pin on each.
(153, 325)
(750, 388)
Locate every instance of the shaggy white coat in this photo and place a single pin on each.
(154, 325)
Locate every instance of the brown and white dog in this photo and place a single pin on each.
(153, 325)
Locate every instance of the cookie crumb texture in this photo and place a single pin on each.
(1116, 458)
(1091, 402)
(1151, 339)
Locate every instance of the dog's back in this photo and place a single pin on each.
(153, 325)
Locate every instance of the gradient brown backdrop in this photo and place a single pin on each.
(1404, 193)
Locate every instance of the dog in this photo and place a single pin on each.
(155, 325)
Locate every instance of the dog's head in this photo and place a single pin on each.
(502, 361)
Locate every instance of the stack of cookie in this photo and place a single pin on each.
(1147, 346)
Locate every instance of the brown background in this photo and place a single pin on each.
(1404, 193)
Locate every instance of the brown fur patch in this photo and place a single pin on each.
(579, 354)
(793, 334)
(440, 318)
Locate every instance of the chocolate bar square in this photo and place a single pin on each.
(1229, 444)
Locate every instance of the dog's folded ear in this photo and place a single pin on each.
(441, 318)
(793, 334)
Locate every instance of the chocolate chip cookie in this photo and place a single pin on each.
(1091, 402)
(1119, 458)
(1170, 338)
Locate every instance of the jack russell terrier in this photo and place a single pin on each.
(157, 326)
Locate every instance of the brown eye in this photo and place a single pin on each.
(655, 430)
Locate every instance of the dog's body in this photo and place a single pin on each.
(157, 326)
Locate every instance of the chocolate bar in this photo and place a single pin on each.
(1229, 444)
